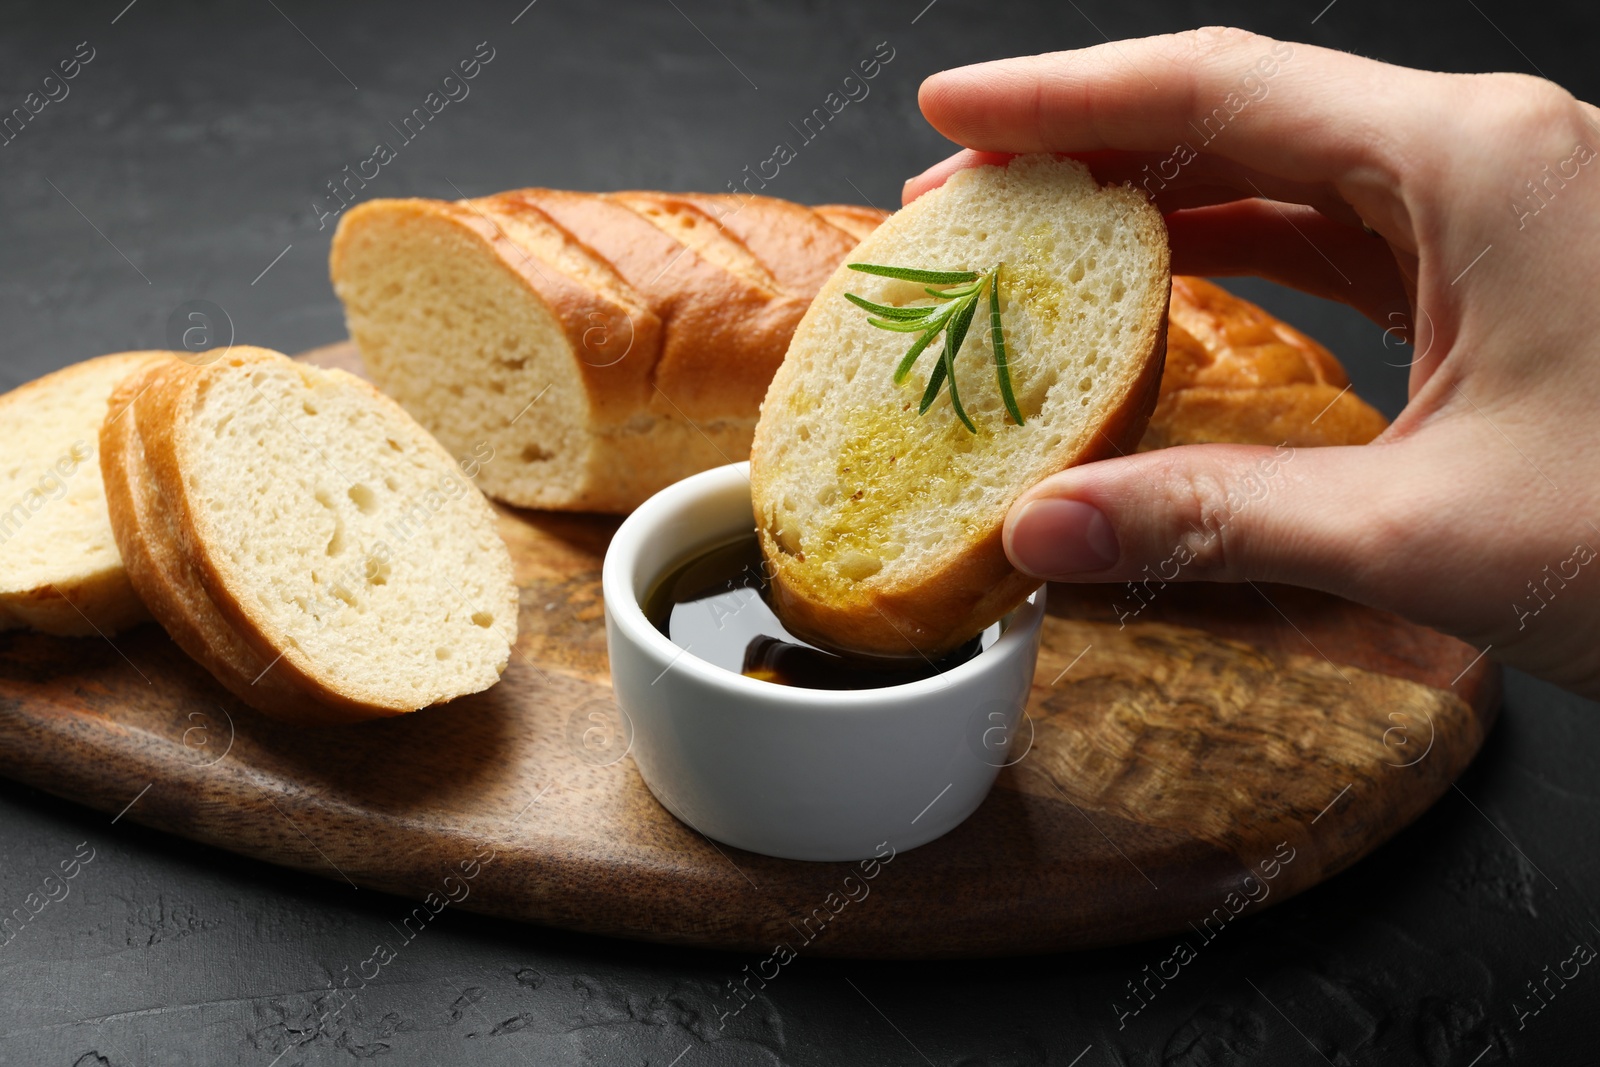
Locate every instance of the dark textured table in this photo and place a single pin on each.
(190, 159)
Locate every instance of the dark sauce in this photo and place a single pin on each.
(717, 605)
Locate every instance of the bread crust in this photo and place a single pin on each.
(797, 244)
(853, 219)
(944, 604)
(1237, 374)
(724, 334)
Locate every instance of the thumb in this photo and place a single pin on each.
(1329, 518)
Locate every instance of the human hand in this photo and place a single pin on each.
(1478, 511)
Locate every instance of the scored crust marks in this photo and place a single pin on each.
(725, 315)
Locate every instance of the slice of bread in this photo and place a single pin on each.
(308, 542)
(168, 581)
(881, 526)
(60, 571)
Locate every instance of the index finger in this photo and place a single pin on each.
(1296, 111)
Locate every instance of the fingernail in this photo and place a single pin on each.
(1051, 538)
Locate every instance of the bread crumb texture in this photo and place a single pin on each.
(853, 486)
(56, 546)
(345, 533)
(452, 334)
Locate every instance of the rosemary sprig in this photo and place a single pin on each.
(951, 317)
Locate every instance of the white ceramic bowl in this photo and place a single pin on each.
(806, 774)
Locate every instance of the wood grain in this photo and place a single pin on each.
(1174, 762)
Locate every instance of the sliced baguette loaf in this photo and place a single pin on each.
(305, 540)
(882, 527)
(1236, 374)
(605, 345)
(60, 571)
(853, 219)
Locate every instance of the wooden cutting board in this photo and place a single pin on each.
(1226, 748)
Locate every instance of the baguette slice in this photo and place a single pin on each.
(168, 581)
(881, 527)
(60, 571)
(308, 542)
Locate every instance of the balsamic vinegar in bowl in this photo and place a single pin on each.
(715, 606)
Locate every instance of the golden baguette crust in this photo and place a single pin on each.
(1236, 374)
(799, 245)
(853, 219)
(967, 585)
(725, 330)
